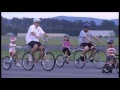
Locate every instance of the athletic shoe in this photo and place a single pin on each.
(18, 65)
(82, 58)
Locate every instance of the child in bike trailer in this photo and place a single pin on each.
(12, 50)
(111, 52)
(66, 50)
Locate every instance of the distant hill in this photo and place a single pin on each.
(96, 20)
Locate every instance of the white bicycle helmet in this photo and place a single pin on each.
(36, 20)
(12, 39)
(66, 35)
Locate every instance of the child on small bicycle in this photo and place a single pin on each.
(12, 50)
(111, 53)
(66, 47)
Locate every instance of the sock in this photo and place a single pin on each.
(91, 58)
(10, 58)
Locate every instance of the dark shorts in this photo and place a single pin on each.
(66, 49)
(86, 44)
(109, 58)
(32, 43)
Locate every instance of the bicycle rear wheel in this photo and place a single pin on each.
(99, 59)
(117, 67)
(6, 65)
(77, 61)
(27, 64)
(60, 60)
(48, 61)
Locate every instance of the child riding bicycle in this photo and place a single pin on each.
(12, 50)
(111, 54)
(66, 50)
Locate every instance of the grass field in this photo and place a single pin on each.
(53, 41)
(54, 52)
(56, 41)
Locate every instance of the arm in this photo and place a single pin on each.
(45, 35)
(96, 38)
(10, 45)
(33, 33)
(72, 45)
(116, 53)
(87, 38)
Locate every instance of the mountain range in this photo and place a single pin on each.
(96, 20)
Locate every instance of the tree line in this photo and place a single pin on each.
(17, 25)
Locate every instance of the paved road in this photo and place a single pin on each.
(67, 71)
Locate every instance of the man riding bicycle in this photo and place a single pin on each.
(32, 37)
(85, 38)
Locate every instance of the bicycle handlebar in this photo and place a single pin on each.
(94, 43)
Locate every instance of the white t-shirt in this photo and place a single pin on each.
(38, 31)
(12, 48)
(83, 34)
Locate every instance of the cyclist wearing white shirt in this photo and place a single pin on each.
(33, 35)
(85, 38)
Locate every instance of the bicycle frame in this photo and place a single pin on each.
(95, 48)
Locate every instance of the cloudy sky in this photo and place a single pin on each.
(100, 15)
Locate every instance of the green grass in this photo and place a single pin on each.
(54, 52)
(6, 53)
(56, 41)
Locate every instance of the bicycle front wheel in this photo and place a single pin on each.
(60, 60)
(26, 62)
(99, 59)
(6, 65)
(48, 61)
(77, 61)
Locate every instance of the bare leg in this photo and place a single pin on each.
(92, 52)
(86, 49)
(41, 51)
(66, 53)
(35, 47)
(17, 58)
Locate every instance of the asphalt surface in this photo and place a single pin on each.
(67, 71)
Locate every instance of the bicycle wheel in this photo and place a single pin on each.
(27, 64)
(60, 60)
(99, 59)
(77, 61)
(6, 65)
(105, 68)
(48, 61)
(117, 67)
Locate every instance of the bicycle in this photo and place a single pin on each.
(46, 59)
(108, 69)
(5, 61)
(98, 59)
(60, 59)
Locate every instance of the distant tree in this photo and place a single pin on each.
(92, 25)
